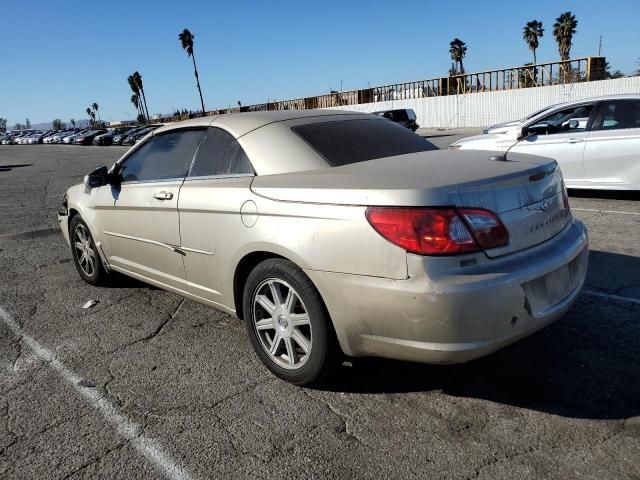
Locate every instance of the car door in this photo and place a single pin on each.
(210, 203)
(565, 140)
(612, 152)
(138, 219)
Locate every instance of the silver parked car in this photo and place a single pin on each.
(335, 232)
(596, 141)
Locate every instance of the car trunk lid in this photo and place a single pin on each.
(526, 191)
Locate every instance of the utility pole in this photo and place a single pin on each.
(600, 46)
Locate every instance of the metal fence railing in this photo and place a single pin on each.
(525, 76)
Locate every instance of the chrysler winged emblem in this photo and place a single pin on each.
(542, 205)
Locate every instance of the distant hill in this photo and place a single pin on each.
(47, 126)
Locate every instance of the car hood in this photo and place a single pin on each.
(489, 141)
(506, 128)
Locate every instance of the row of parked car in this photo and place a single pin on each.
(130, 135)
(86, 136)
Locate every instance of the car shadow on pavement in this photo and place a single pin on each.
(7, 168)
(585, 365)
(118, 280)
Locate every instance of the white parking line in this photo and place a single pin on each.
(596, 210)
(635, 301)
(131, 431)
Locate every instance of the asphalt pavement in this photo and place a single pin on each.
(148, 385)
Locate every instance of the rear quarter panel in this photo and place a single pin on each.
(313, 236)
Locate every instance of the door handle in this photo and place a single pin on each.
(574, 140)
(163, 195)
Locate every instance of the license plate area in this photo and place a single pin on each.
(545, 292)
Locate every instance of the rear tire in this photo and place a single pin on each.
(85, 254)
(288, 324)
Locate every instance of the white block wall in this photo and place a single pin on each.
(487, 108)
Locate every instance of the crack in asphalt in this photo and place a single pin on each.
(47, 428)
(161, 414)
(346, 428)
(18, 344)
(109, 306)
(617, 429)
(151, 336)
(86, 465)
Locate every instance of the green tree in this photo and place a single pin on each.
(531, 34)
(136, 94)
(137, 78)
(94, 107)
(563, 30)
(73, 123)
(3, 124)
(57, 124)
(135, 99)
(609, 74)
(458, 50)
(92, 116)
(27, 124)
(186, 40)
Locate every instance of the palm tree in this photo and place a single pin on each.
(132, 85)
(563, 31)
(3, 124)
(73, 123)
(531, 34)
(135, 99)
(92, 116)
(94, 106)
(136, 93)
(458, 49)
(137, 78)
(186, 39)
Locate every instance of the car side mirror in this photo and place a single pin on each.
(97, 178)
(538, 129)
(573, 124)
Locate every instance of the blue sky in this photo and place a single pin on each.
(59, 57)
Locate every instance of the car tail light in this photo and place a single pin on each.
(487, 228)
(439, 231)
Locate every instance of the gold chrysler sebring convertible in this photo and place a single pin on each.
(334, 233)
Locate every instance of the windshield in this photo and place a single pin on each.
(343, 142)
(538, 112)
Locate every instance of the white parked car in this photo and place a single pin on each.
(514, 125)
(595, 141)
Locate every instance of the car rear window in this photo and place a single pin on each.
(343, 142)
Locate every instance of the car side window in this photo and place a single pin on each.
(572, 119)
(165, 156)
(220, 154)
(617, 115)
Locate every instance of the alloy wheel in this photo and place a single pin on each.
(85, 253)
(281, 323)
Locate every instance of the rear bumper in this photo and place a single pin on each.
(436, 316)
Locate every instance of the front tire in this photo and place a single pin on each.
(85, 254)
(288, 324)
